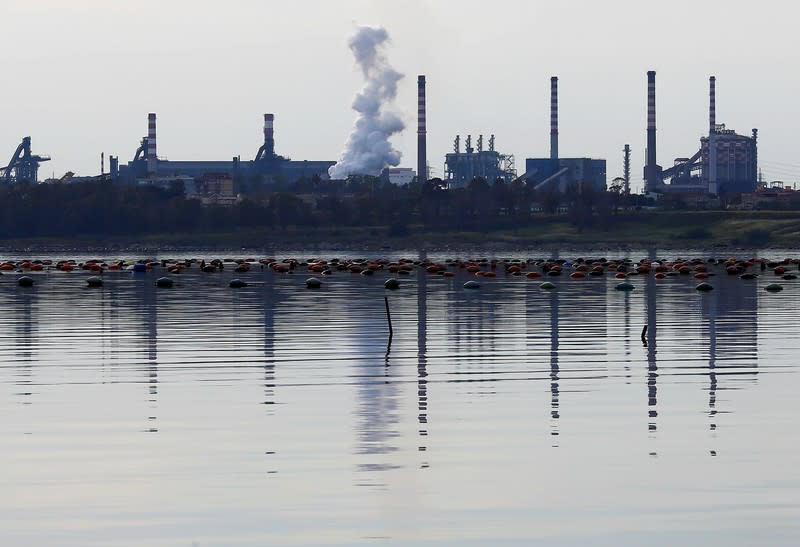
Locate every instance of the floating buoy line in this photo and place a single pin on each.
(556, 270)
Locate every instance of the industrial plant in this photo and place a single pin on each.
(24, 165)
(726, 163)
(266, 166)
(557, 173)
(489, 165)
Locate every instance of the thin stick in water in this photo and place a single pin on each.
(388, 317)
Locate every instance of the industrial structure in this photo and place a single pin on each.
(557, 173)
(267, 167)
(626, 170)
(24, 165)
(422, 146)
(462, 167)
(726, 162)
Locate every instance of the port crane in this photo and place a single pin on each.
(24, 166)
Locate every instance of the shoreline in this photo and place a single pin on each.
(667, 230)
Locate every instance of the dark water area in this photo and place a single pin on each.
(508, 415)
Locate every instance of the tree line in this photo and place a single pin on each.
(111, 209)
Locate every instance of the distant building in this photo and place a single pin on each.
(216, 189)
(490, 165)
(545, 173)
(400, 176)
(267, 165)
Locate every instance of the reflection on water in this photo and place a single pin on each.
(279, 414)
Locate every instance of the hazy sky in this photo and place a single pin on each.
(80, 76)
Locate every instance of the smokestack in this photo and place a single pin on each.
(554, 121)
(422, 162)
(626, 169)
(269, 136)
(152, 159)
(712, 105)
(712, 139)
(651, 169)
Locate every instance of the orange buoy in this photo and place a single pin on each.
(533, 275)
(620, 275)
(577, 275)
(661, 275)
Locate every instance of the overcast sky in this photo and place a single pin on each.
(80, 76)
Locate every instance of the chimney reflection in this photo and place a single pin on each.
(554, 393)
(269, 300)
(652, 367)
(422, 360)
(147, 302)
(26, 339)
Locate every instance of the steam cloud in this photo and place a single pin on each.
(368, 151)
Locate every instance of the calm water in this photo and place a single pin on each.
(274, 415)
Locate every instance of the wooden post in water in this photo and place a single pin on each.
(388, 317)
(644, 335)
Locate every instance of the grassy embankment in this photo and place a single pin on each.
(663, 229)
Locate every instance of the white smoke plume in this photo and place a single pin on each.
(368, 150)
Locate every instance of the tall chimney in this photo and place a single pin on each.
(422, 162)
(269, 136)
(712, 105)
(651, 170)
(712, 135)
(554, 121)
(152, 159)
(626, 169)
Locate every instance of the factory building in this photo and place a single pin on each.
(566, 172)
(727, 163)
(490, 165)
(267, 167)
(557, 173)
(401, 176)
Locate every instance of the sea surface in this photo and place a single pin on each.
(508, 415)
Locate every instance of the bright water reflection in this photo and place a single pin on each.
(275, 415)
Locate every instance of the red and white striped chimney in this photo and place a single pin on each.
(554, 120)
(269, 136)
(422, 161)
(152, 158)
(712, 105)
(651, 171)
(712, 132)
